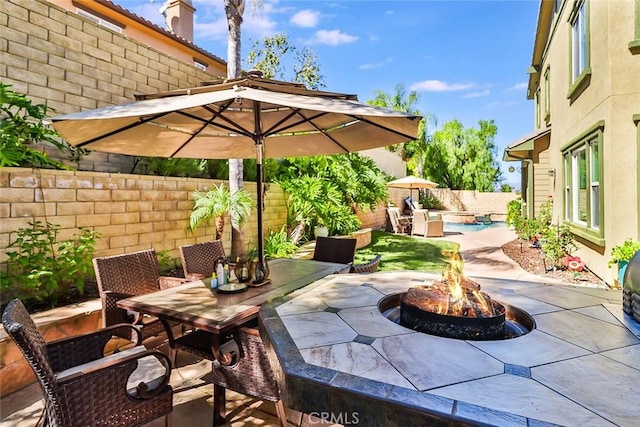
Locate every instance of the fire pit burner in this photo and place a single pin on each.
(513, 323)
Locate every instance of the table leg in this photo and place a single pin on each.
(219, 410)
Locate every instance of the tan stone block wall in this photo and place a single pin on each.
(132, 212)
(68, 62)
(461, 200)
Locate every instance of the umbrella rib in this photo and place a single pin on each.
(122, 129)
(404, 135)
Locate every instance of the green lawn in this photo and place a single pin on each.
(401, 252)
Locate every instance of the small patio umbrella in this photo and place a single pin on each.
(412, 182)
(249, 117)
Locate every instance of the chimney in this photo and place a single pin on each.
(179, 17)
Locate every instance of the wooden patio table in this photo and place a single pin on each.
(196, 304)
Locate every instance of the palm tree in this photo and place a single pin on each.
(218, 202)
(234, 10)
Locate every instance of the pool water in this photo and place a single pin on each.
(459, 227)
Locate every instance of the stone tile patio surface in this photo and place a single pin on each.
(580, 366)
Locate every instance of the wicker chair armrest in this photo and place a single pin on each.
(166, 282)
(120, 366)
(369, 267)
(66, 353)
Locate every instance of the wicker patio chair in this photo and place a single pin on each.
(334, 249)
(426, 225)
(81, 386)
(369, 267)
(435, 225)
(198, 259)
(252, 375)
(126, 275)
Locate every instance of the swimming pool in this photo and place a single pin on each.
(459, 227)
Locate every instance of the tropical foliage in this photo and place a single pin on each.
(218, 202)
(313, 200)
(278, 245)
(21, 127)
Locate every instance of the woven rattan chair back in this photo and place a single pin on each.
(419, 225)
(334, 249)
(124, 275)
(21, 328)
(198, 260)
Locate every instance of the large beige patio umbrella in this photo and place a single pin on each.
(249, 117)
(412, 182)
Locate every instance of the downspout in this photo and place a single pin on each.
(530, 210)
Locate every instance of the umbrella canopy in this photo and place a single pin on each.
(249, 117)
(411, 182)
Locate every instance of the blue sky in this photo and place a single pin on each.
(466, 59)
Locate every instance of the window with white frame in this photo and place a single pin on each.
(579, 42)
(582, 172)
(547, 94)
(100, 21)
(538, 113)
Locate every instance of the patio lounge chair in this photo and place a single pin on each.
(399, 225)
(126, 275)
(335, 249)
(81, 386)
(198, 259)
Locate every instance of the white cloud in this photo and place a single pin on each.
(333, 37)
(439, 86)
(477, 94)
(213, 30)
(519, 86)
(306, 18)
(379, 64)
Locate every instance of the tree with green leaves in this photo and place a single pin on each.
(272, 54)
(412, 152)
(464, 159)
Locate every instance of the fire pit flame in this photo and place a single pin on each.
(441, 306)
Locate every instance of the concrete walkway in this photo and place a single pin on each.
(194, 396)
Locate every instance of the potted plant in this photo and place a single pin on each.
(218, 202)
(621, 254)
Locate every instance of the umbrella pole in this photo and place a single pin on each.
(261, 272)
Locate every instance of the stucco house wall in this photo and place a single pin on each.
(607, 101)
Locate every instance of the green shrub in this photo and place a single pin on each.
(514, 212)
(557, 242)
(278, 245)
(41, 268)
(429, 201)
(624, 252)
